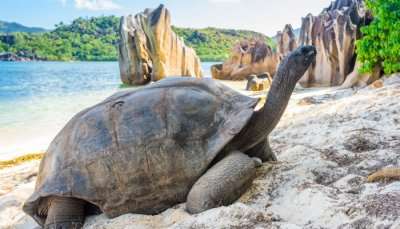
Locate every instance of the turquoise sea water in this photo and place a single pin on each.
(38, 98)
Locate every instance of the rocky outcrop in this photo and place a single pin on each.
(255, 83)
(8, 56)
(149, 50)
(18, 56)
(286, 40)
(248, 57)
(333, 33)
(358, 80)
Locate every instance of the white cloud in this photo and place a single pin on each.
(96, 4)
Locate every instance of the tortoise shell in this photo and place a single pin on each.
(140, 151)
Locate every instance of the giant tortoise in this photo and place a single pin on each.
(143, 151)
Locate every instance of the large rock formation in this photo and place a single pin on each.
(248, 57)
(357, 79)
(286, 40)
(333, 33)
(149, 50)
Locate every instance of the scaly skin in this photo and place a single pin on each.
(223, 183)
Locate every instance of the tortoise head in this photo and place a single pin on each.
(297, 62)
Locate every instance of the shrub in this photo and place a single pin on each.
(380, 45)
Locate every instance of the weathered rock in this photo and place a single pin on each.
(248, 57)
(255, 83)
(357, 79)
(286, 40)
(265, 75)
(7, 56)
(385, 174)
(149, 50)
(333, 33)
(19, 56)
(376, 84)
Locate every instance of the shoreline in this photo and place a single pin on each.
(74, 61)
(42, 141)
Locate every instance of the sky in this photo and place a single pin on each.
(265, 16)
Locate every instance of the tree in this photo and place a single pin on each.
(380, 45)
(96, 38)
(2, 47)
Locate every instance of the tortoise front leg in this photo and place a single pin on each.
(65, 213)
(223, 183)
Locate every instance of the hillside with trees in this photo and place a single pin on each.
(11, 27)
(95, 39)
(214, 44)
(92, 39)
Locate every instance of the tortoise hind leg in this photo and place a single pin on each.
(65, 213)
(223, 183)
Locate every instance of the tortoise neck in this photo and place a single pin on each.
(265, 119)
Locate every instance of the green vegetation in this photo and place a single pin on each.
(95, 39)
(2, 47)
(380, 45)
(213, 44)
(92, 39)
